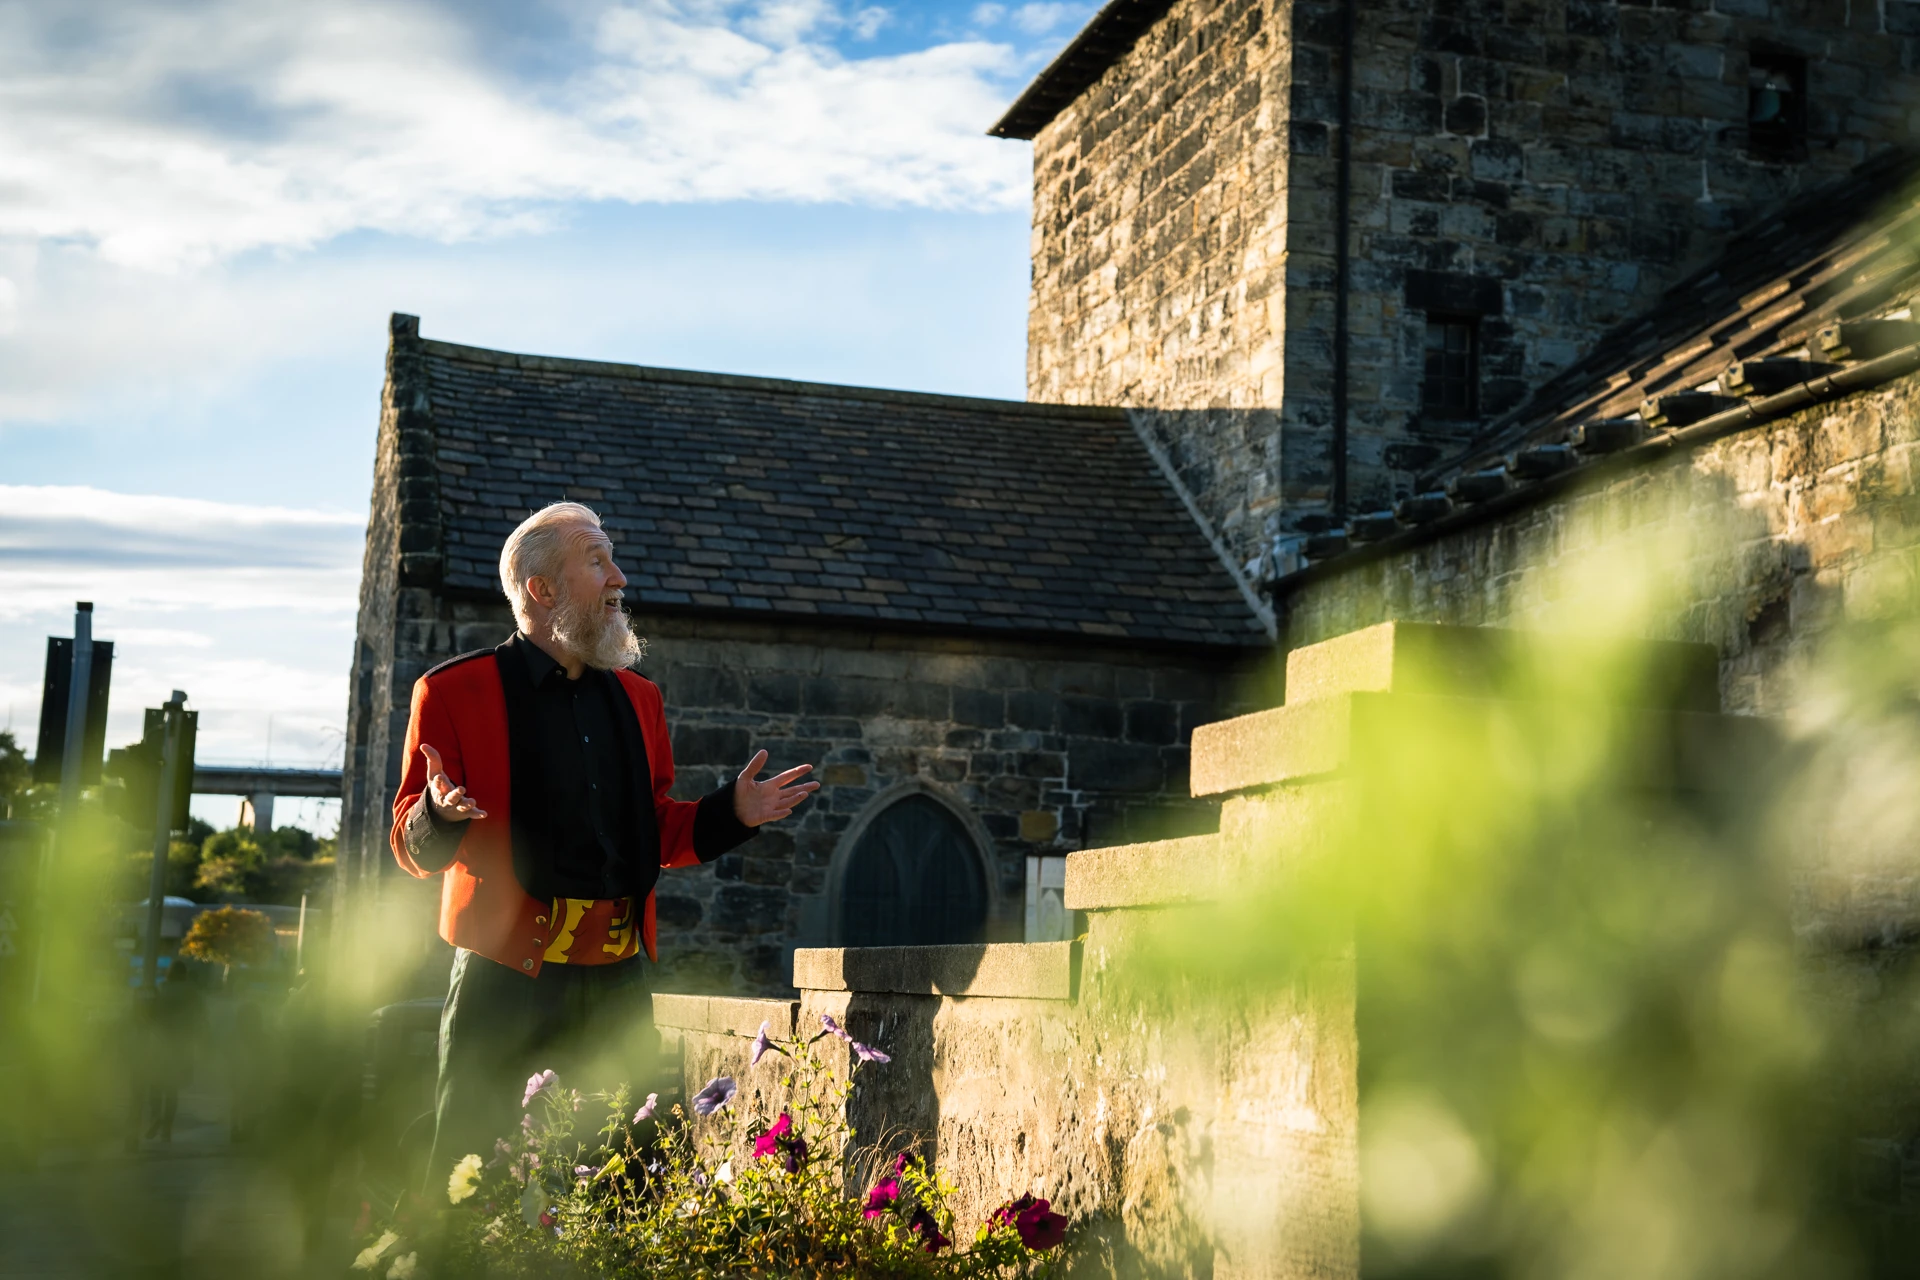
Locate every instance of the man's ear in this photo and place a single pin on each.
(541, 591)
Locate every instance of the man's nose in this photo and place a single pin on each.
(615, 578)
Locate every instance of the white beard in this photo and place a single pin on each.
(602, 640)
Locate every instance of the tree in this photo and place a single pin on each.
(15, 775)
(227, 936)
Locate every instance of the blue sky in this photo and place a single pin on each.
(213, 206)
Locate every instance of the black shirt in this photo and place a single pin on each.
(588, 777)
(583, 811)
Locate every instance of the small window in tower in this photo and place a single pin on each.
(1776, 106)
(1452, 386)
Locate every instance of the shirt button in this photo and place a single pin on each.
(539, 919)
(526, 964)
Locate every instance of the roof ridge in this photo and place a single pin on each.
(751, 382)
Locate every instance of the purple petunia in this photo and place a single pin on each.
(717, 1093)
(537, 1083)
(646, 1109)
(760, 1045)
(866, 1053)
(923, 1225)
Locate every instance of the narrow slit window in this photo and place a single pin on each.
(1776, 106)
(1452, 386)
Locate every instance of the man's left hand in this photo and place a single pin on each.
(758, 803)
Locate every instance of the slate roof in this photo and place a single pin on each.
(1807, 303)
(787, 499)
(1101, 43)
(1846, 251)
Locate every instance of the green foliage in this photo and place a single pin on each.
(15, 774)
(736, 1194)
(235, 865)
(228, 936)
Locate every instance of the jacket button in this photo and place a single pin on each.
(526, 964)
(539, 919)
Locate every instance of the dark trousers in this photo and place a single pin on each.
(593, 1024)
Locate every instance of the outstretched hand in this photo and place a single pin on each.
(450, 803)
(758, 803)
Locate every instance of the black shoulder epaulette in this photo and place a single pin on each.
(454, 662)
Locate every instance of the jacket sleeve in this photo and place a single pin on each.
(423, 844)
(691, 831)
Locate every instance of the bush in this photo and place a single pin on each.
(749, 1194)
(228, 936)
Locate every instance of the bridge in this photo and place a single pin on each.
(258, 785)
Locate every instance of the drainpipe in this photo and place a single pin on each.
(1342, 206)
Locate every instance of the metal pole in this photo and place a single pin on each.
(77, 707)
(300, 938)
(70, 757)
(163, 833)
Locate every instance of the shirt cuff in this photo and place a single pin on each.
(432, 841)
(716, 827)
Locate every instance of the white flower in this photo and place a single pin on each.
(688, 1208)
(371, 1254)
(465, 1180)
(724, 1173)
(402, 1268)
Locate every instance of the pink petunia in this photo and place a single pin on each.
(537, 1082)
(884, 1195)
(769, 1142)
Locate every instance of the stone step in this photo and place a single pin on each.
(1673, 749)
(1269, 828)
(1419, 657)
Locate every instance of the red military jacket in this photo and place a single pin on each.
(463, 709)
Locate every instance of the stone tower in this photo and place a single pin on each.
(1513, 178)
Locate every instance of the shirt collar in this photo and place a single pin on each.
(540, 664)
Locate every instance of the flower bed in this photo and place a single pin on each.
(647, 1195)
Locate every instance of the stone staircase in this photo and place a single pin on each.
(1193, 1148)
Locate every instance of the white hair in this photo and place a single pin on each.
(538, 549)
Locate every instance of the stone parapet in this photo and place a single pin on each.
(1011, 970)
(724, 1015)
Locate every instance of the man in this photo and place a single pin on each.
(537, 784)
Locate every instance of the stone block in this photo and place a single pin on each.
(1018, 970)
(724, 1015)
(1427, 658)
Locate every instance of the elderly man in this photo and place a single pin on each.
(537, 785)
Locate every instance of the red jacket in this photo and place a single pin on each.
(462, 709)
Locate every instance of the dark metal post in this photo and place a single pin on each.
(163, 832)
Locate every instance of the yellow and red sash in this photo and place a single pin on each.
(592, 931)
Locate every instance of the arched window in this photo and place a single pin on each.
(913, 879)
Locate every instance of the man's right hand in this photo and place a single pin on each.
(450, 803)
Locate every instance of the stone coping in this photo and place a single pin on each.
(1682, 750)
(1017, 970)
(724, 1015)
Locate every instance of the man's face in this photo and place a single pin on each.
(590, 573)
(586, 618)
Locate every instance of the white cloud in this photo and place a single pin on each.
(167, 135)
(1038, 19)
(248, 608)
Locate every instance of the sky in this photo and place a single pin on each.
(212, 206)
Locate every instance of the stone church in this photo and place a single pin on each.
(1340, 313)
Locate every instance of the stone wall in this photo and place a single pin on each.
(1549, 164)
(1786, 529)
(1040, 748)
